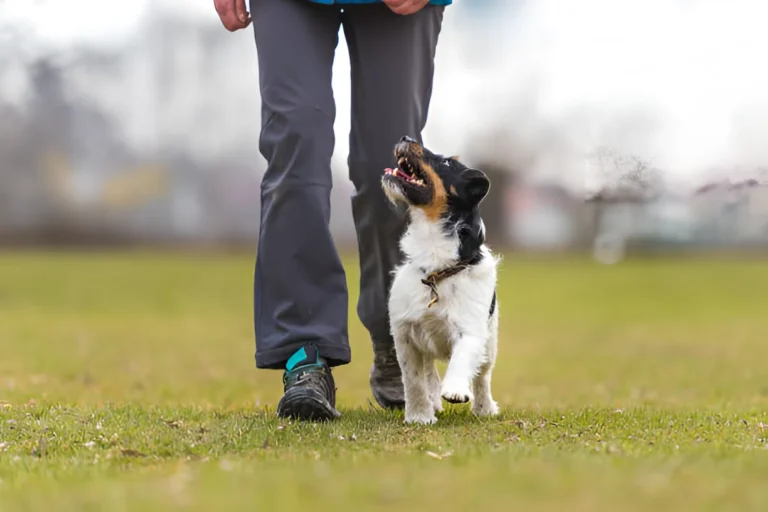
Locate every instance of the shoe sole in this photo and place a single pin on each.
(386, 404)
(302, 405)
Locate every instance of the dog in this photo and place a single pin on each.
(442, 302)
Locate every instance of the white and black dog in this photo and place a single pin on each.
(442, 303)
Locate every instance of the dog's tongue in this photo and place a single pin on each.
(396, 172)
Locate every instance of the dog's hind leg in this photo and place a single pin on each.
(433, 383)
(483, 404)
(419, 407)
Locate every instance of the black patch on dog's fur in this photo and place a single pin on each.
(467, 225)
(462, 214)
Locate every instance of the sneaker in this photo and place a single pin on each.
(386, 379)
(310, 391)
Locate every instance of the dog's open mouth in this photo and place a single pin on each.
(407, 172)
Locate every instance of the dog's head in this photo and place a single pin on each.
(440, 186)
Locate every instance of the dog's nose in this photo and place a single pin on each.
(407, 139)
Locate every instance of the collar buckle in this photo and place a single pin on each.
(434, 278)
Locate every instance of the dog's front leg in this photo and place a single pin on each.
(466, 358)
(418, 404)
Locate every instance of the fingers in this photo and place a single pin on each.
(232, 14)
(396, 4)
(405, 7)
(242, 14)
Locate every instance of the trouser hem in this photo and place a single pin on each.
(275, 359)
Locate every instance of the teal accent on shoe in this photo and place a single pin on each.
(295, 359)
(305, 356)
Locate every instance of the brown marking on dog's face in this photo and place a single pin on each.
(432, 183)
(436, 207)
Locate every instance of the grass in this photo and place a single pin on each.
(127, 382)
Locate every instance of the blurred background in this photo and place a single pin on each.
(604, 128)
(610, 129)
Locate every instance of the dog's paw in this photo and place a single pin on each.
(456, 392)
(420, 419)
(485, 408)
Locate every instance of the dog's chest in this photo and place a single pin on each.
(431, 328)
(410, 297)
(433, 336)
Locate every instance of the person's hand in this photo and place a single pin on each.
(406, 6)
(232, 13)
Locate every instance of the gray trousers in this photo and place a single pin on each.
(300, 288)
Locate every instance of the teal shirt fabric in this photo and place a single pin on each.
(331, 2)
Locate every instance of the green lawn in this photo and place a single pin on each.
(127, 382)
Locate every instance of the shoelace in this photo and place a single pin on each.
(311, 374)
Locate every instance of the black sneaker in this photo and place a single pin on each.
(386, 379)
(310, 391)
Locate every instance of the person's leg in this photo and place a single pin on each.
(300, 290)
(392, 63)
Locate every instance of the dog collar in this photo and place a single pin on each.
(434, 278)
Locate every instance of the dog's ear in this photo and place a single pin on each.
(476, 185)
